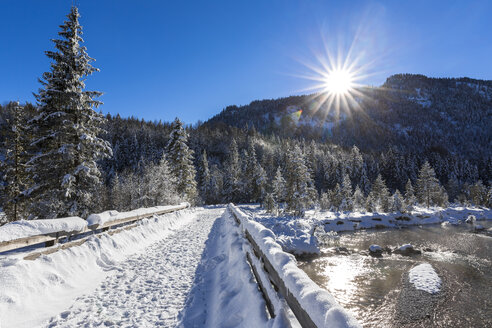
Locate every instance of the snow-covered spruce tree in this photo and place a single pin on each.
(300, 193)
(347, 202)
(269, 204)
(250, 174)
(410, 199)
(14, 164)
(180, 158)
(378, 199)
(216, 185)
(66, 130)
(278, 187)
(163, 184)
(324, 201)
(205, 179)
(336, 197)
(358, 199)
(117, 198)
(261, 181)
(478, 194)
(396, 202)
(428, 188)
(232, 183)
(489, 198)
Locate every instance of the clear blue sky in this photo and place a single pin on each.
(161, 59)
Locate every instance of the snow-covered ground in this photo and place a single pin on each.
(225, 293)
(149, 288)
(300, 235)
(137, 276)
(185, 269)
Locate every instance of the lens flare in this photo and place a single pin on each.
(338, 74)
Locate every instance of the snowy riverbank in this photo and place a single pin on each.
(303, 235)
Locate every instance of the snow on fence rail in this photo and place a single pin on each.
(19, 234)
(313, 306)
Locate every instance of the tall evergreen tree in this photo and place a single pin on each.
(205, 179)
(358, 199)
(180, 158)
(396, 201)
(232, 188)
(14, 164)
(217, 185)
(378, 198)
(278, 187)
(347, 203)
(428, 188)
(300, 193)
(163, 184)
(410, 199)
(67, 130)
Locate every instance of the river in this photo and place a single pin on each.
(376, 289)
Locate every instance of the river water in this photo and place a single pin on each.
(377, 291)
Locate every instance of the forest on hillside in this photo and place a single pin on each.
(412, 140)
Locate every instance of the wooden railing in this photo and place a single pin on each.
(51, 239)
(259, 262)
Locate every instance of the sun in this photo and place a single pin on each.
(338, 82)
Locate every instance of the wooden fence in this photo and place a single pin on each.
(261, 266)
(51, 239)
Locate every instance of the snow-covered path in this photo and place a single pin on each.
(150, 287)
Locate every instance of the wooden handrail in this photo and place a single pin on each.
(301, 314)
(50, 239)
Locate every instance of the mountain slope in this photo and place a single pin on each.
(409, 112)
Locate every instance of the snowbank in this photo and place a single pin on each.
(224, 293)
(27, 228)
(110, 216)
(424, 277)
(297, 235)
(32, 291)
(322, 307)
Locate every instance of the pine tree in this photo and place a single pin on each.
(117, 198)
(489, 198)
(427, 185)
(336, 197)
(217, 185)
(67, 130)
(232, 188)
(324, 201)
(478, 194)
(180, 158)
(278, 187)
(260, 183)
(269, 204)
(164, 184)
(205, 179)
(251, 166)
(410, 199)
(300, 193)
(14, 164)
(358, 199)
(379, 196)
(396, 201)
(347, 202)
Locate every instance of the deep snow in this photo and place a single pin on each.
(149, 288)
(27, 228)
(32, 292)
